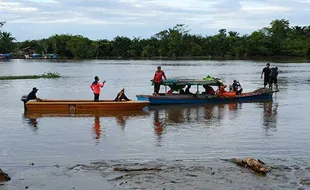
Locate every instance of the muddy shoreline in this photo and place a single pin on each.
(161, 174)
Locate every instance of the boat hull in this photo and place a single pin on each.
(80, 106)
(92, 113)
(191, 99)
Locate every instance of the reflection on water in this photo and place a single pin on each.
(97, 128)
(158, 127)
(121, 117)
(31, 122)
(177, 114)
(270, 116)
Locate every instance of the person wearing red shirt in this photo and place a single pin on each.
(158, 79)
(95, 87)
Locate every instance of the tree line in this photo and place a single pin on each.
(278, 39)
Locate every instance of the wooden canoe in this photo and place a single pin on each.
(76, 106)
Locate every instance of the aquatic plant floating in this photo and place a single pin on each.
(47, 75)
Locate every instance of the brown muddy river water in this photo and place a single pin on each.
(278, 129)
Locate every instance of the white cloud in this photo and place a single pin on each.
(145, 17)
(15, 7)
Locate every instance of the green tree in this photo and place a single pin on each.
(81, 47)
(6, 42)
(120, 46)
(278, 31)
(2, 23)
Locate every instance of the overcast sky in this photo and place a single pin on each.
(105, 19)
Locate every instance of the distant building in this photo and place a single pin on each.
(50, 56)
(5, 56)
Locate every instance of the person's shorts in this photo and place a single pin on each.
(273, 80)
(266, 81)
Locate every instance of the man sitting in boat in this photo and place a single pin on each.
(176, 88)
(236, 87)
(121, 96)
(187, 89)
(31, 96)
(208, 90)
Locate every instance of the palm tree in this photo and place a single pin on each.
(6, 42)
(2, 23)
(299, 31)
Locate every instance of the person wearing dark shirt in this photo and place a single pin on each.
(121, 96)
(266, 71)
(32, 95)
(236, 87)
(208, 90)
(274, 77)
(187, 91)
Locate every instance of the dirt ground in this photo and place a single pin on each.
(161, 174)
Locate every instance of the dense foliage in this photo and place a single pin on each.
(278, 39)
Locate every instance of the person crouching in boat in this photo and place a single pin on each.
(236, 87)
(221, 89)
(121, 96)
(208, 90)
(31, 96)
(95, 87)
(158, 79)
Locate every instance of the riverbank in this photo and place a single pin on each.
(279, 59)
(162, 174)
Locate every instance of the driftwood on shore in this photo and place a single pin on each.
(4, 176)
(256, 165)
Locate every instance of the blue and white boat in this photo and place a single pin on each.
(202, 98)
(5, 56)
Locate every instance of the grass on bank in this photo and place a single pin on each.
(47, 75)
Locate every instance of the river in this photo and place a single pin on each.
(277, 129)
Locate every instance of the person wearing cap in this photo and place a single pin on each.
(274, 77)
(121, 96)
(266, 71)
(32, 95)
(95, 87)
(158, 79)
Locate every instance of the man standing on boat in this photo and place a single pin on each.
(274, 77)
(158, 79)
(95, 86)
(266, 71)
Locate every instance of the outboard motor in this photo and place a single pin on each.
(24, 99)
